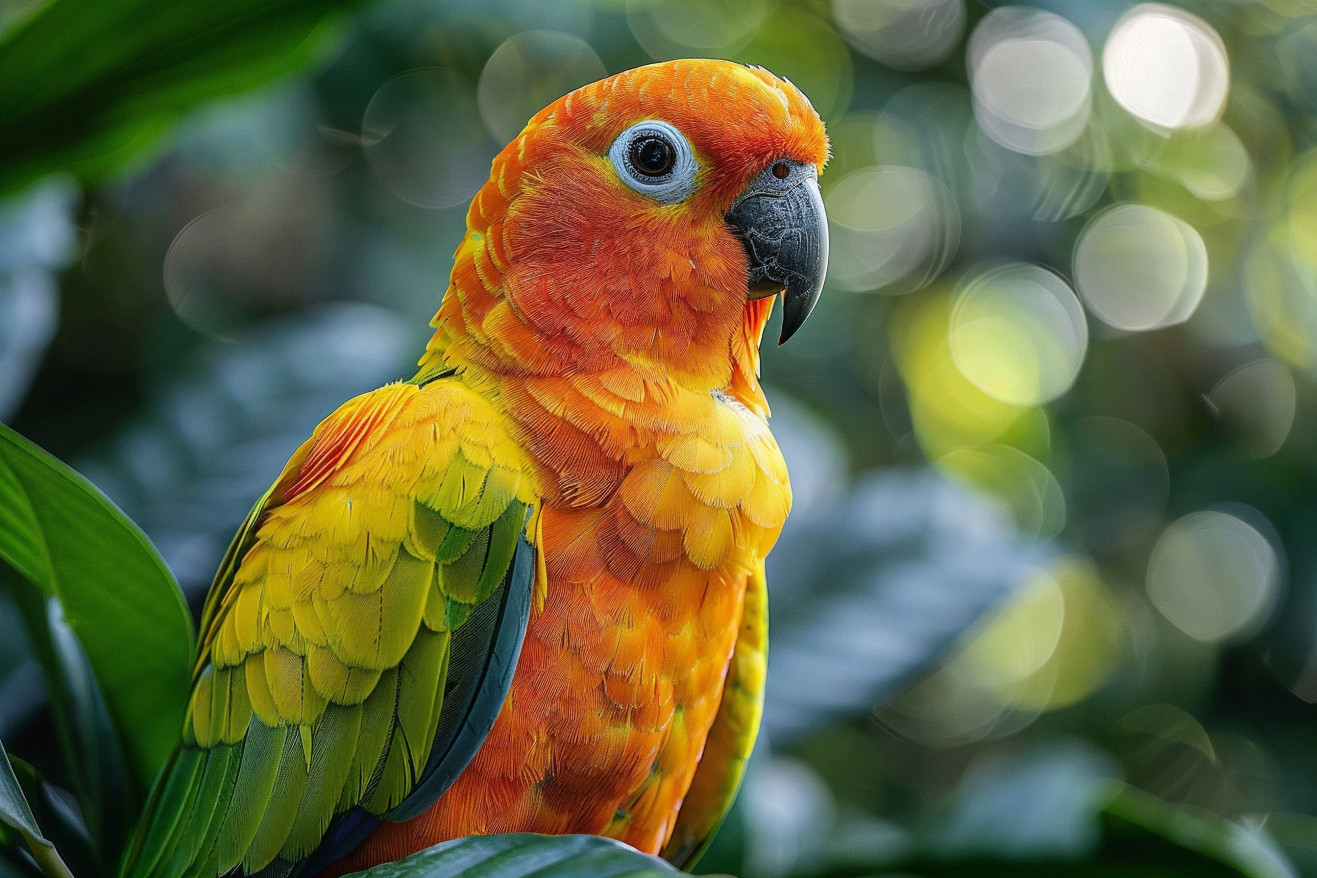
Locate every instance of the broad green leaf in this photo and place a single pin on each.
(1131, 816)
(512, 856)
(65, 538)
(87, 87)
(14, 810)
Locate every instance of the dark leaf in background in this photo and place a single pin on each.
(88, 87)
(871, 588)
(1134, 822)
(518, 855)
(36, 240)
(214, 438)
(14, 810)
(61, 822)
(89, 745)
(65, 539)
(1037, 802)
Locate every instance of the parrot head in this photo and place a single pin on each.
(647, 217)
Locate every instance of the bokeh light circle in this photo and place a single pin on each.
(229, 262)
(1018, 333)
(891, 227)
(1047, 188)
(1168, 68)
(1031, 76)
(528, 72)
(1213, 576)
(904, 34)
(1212, 163)
(423, 137)
(1050, 646)
(1256, 404)
(1138, 268)
(1022, 484)
(672, 28)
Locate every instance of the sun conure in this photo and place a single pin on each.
(524, 590)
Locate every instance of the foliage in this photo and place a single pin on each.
(517, 855)
(1046, 601)
(64, 537)
(86, 88)
(14, 809)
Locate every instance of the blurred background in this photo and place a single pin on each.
(1050, 428)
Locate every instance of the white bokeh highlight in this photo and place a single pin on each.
(1031, 74)
(1138, 268)
(1214, 576)
(1168, 68)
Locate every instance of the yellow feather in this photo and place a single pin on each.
(279, 628)
(307, 622)
(726, 487)
(458, 497)
(245, 617)
(708, 539)
(694, 452)
(200, 706)
(654, 493)
(768, 503)
(337, 682)
(405, 592)
(283, 676)
(258, 691)
(235, 712)
(225, 652)
(278, 581)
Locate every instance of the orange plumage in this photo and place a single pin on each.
(617, 335)
(524, 590)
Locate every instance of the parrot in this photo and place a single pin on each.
(524, 590)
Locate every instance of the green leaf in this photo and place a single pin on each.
(93, 760)
(64, 537)
(87, 87)
(14, 810)
(1133, 818)
(1140, 837)
(512, 856)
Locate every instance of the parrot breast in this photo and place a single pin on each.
(617, 338)
(622, 668)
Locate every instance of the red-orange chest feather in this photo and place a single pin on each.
(658, 501)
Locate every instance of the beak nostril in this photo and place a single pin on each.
(781, 170)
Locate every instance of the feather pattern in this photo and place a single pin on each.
(522, 591)
(616, 335)
(325, 652)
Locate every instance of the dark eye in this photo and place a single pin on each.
(654, 158)
(652, 155)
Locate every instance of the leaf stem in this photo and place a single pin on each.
(46, 856)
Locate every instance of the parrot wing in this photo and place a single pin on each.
(732, 736)
(358, 640)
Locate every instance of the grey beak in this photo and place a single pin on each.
(781, 222)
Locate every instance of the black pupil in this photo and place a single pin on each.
(652, 155)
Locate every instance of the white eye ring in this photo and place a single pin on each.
(669, 186)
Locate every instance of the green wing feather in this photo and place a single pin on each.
(325, 653)
(732, 736)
